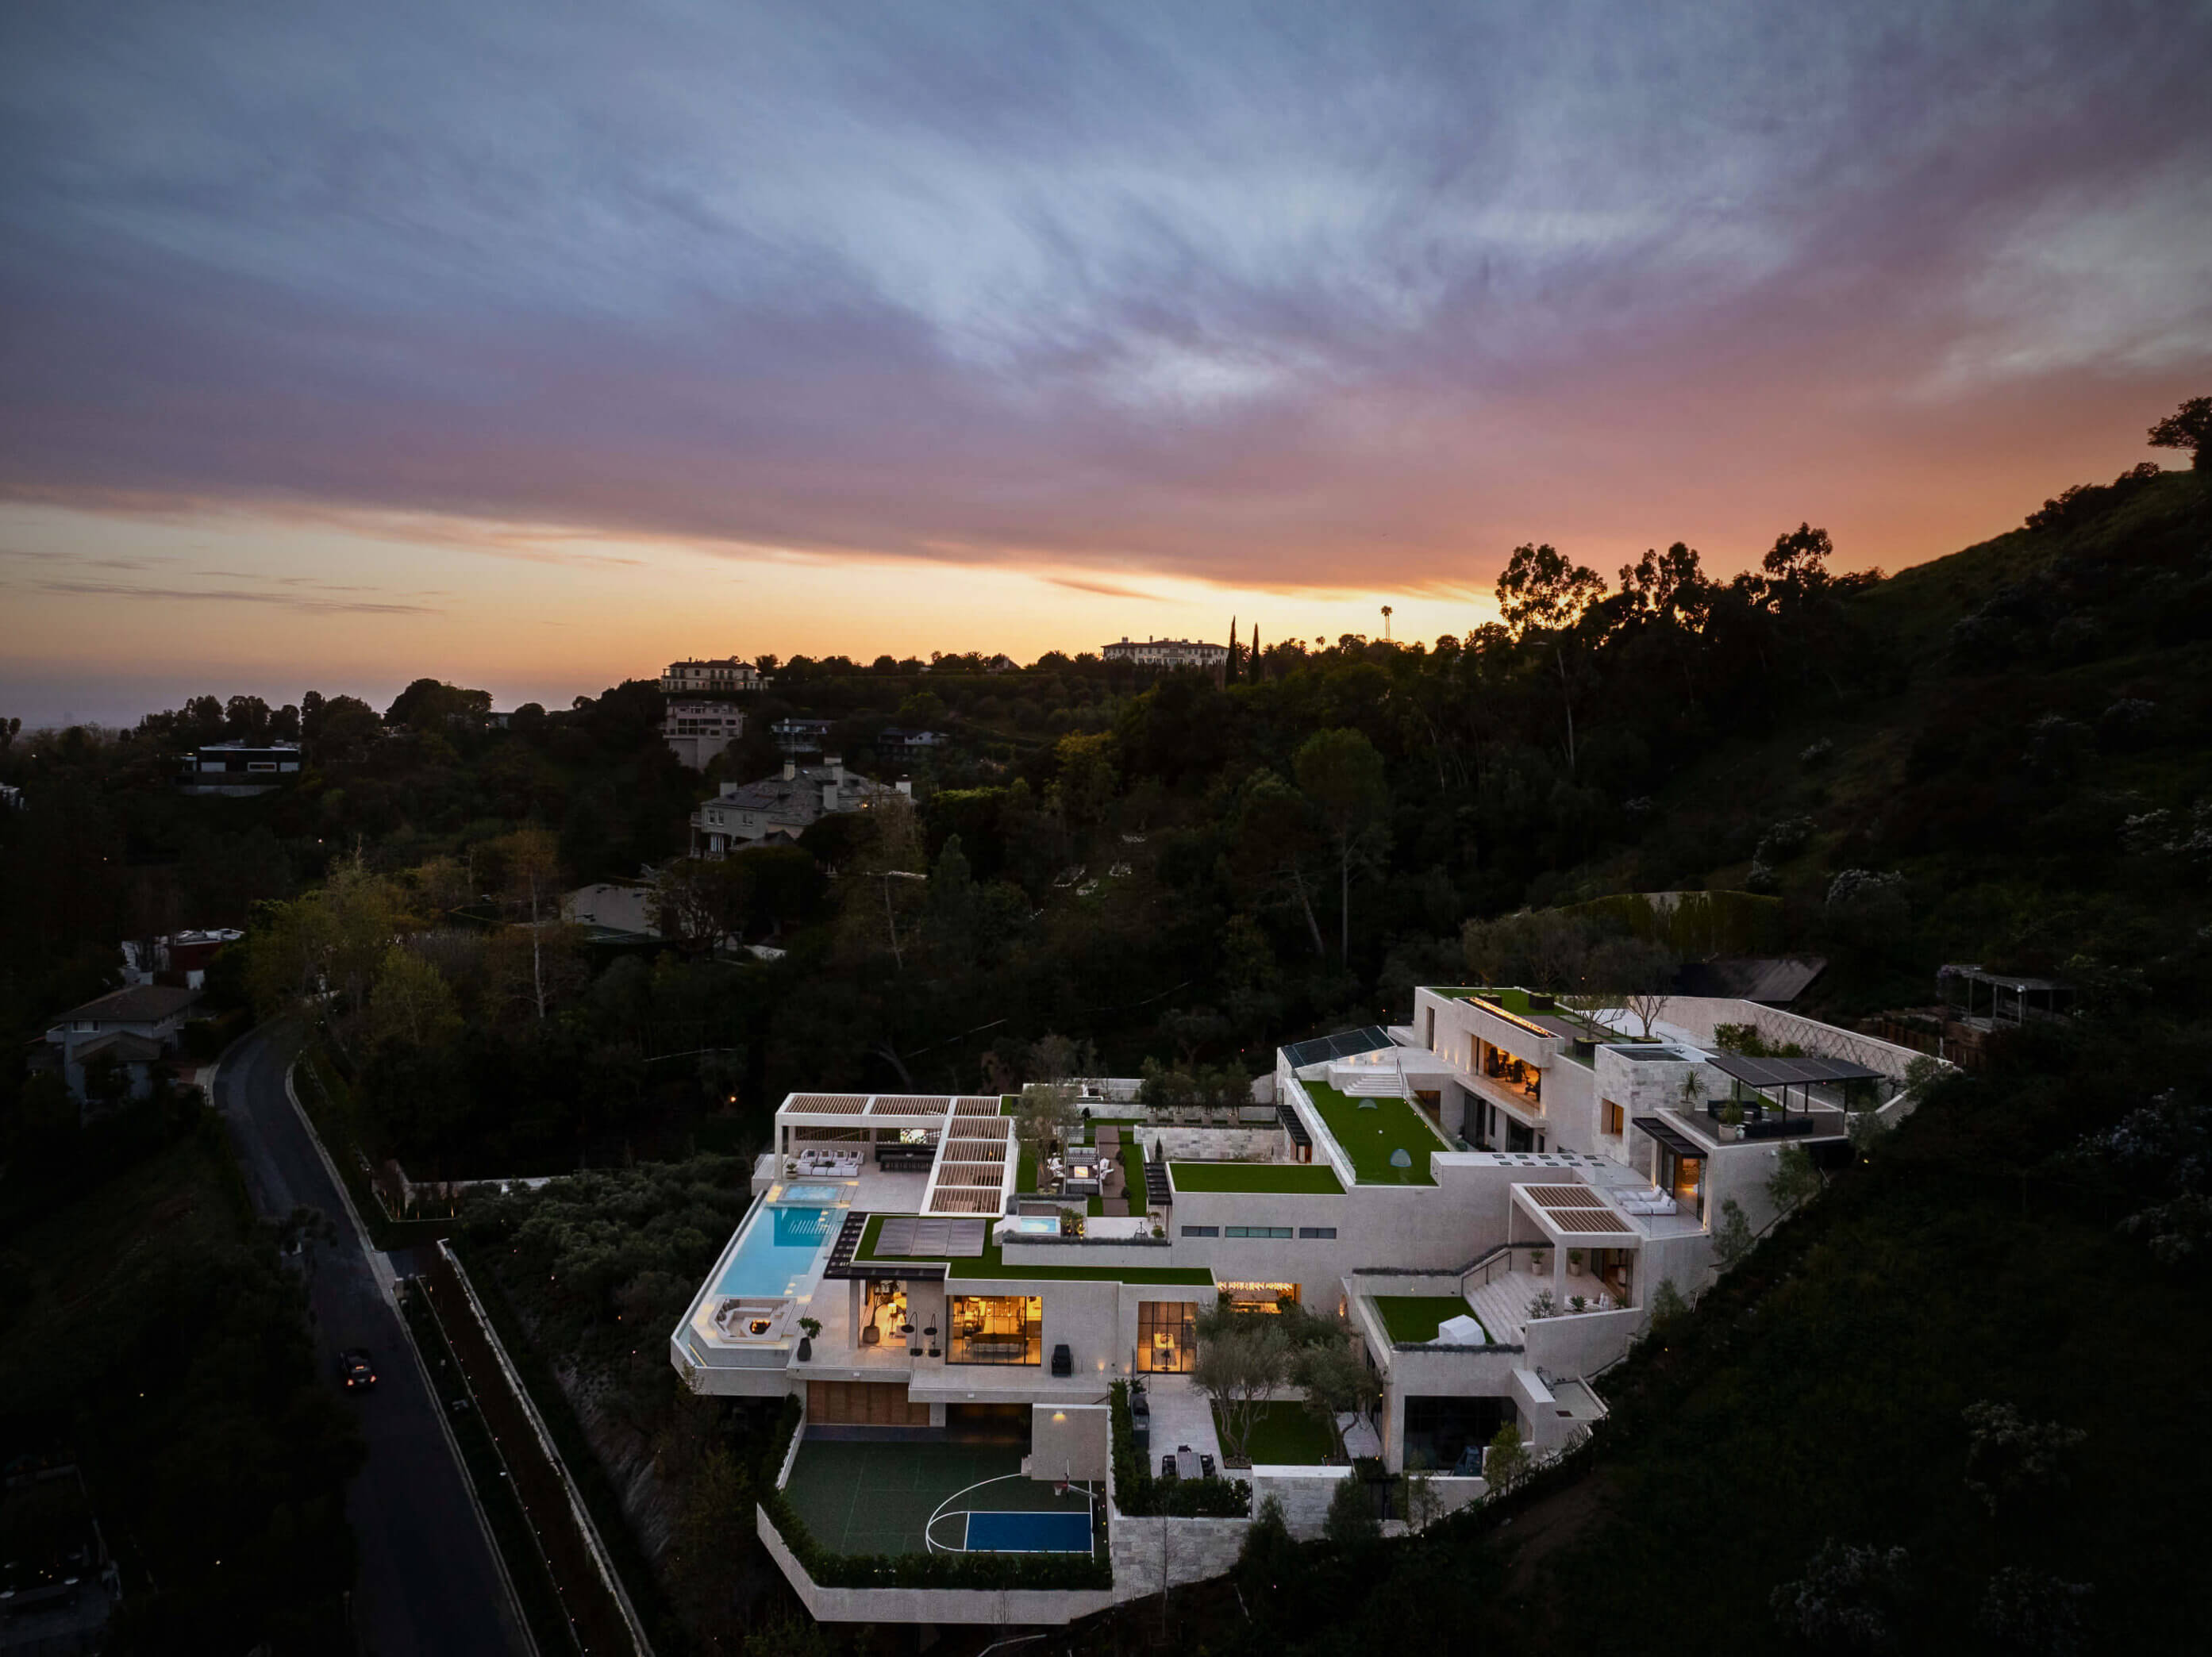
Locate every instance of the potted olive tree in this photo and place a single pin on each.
(1574, 1262)
(813, 1327)
(1732, 1119)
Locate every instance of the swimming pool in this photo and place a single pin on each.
(816, 1196)
(777, 1252)
(1029, 1532)
(1031, 1225)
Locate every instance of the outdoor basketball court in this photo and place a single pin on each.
(918, 1497)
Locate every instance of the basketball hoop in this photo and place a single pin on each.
(1060, 1487)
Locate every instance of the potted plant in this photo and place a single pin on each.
(1539, 1260)
(1731, 1120)
(1574, 1262)
(813, 1327)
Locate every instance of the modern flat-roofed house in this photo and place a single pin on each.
(777, 810)
(800, 736)
(135, 1029)
(722, 676)
(1166, 653)
(896, 742)
(240, 767)
(1489, 1196)
(697, 730)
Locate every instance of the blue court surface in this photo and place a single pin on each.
(1029, 1532)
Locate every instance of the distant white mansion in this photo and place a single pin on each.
(697, 730)
(1166, 653)
(721, 675)
(1490, 1195)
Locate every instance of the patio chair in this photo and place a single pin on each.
(1205, 1465)
(1168, 1465)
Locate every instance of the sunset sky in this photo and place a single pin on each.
(532, 345)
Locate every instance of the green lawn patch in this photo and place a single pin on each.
(1411, 1319)
(991, 1263)
(1369, 1135)
(1311, 1179)
(1286, 1435)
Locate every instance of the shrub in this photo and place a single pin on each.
(1507, 1464)
(1269, 1557)
(1849, 1599)
(1668, 1308)
(1732, 1238)
(1351, 1519)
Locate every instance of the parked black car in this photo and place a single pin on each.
(356, 1369)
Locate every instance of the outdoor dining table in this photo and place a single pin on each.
(1186, 1462)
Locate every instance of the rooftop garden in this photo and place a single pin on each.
(1413, 1319)
(1518, 1002)
(1294, 1179)
(991, 1263)
(1372, 1130)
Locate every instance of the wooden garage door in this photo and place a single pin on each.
(863, 1403)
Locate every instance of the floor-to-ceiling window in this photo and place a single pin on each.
(1167, 1336)
(1683, 1178)
(996, 1329)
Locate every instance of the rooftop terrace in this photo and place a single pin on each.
(1371, 1131)
(1413, 1319)
(991, 1265)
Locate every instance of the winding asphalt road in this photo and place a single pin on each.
(427, 1582)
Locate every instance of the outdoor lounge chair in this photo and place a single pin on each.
(1168, 1464)
(1205, 1465)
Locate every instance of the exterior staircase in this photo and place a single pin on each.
(1503, 1307)
(1372, 1082)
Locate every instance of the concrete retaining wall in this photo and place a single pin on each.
(1218, 1144)
(1150, 1554)
(1581, 1344)
(1305, 1492)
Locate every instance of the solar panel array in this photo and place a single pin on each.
(1791, 1072)
(905, 1234)
(1370, 1038)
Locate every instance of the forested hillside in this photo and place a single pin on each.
(1999, 757)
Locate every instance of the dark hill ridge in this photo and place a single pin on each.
(2024, 699)
(1892, 1428)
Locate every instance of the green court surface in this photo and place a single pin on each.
(877, 1497)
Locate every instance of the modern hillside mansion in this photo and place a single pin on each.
(1491, 1196)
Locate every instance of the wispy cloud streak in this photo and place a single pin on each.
(1281, 297)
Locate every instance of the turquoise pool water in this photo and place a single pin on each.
(818, 1195)
(777, 1252)
(1031, 1225)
